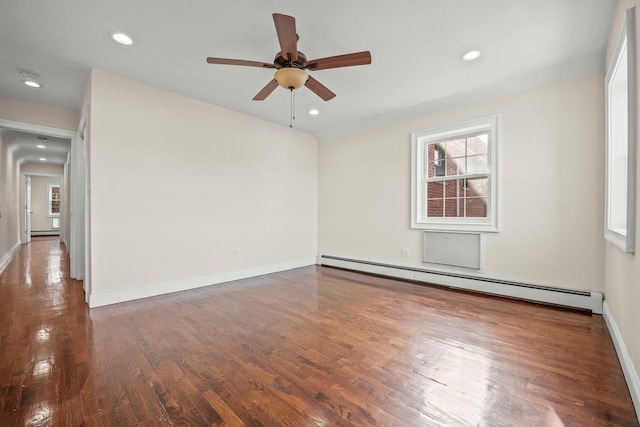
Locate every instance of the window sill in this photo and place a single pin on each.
(620, 240)
(447, 226)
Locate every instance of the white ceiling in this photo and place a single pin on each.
(24, 147)
(415, 47)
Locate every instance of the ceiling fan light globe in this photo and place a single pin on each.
(291, 78)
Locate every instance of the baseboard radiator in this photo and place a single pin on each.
(583, 300)
(45, 232)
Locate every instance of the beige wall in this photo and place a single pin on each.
(38, 114)
(42, 168)
(622, 270)
(550, 179)
(40, 219)
(176, 184)
(9, 199)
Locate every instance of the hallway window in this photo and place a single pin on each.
(53, 190)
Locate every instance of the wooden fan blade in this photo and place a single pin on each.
(266, 91)
(286, 29)
(226, 61)
(347, 60)
(319, 89)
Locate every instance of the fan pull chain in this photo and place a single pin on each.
(293, 108)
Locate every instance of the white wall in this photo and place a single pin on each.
(9, 200)
(622, 270)
(550, 178)
(176, 184)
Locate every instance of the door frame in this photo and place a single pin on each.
(78, 223)
(23, 200)
(25, 204)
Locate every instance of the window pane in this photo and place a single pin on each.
(454, 188)
(452, 208)
(431, 169)
(456, 166)
(476, 207)
(430, 152)
(435, 190)
(477, 144)
(435, 168)
(55, 207)
(477, 164)
(456, 148)
(476, 187)
(435, 207)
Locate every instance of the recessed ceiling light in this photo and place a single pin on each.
(29, 77)
(122, 38)
(471, 55)
(314, 112)
(42, 159)
(41, 146)
(32, 83)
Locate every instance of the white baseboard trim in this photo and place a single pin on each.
(98, 300)
(630, 373)
(565, 297)
(7, 257)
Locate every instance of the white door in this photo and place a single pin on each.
(27, 209)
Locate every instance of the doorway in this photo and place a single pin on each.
(42, 202)
(72, 207)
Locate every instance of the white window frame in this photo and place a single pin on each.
(50, 200)
(419, 140)
(621, 139)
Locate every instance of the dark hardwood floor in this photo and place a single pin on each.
(308, 347)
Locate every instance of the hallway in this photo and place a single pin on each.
(43, 337)
(310, 346)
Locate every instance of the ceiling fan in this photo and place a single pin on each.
(290, 64)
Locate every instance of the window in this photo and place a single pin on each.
(621, 140)
(53, 191)
(454, 184)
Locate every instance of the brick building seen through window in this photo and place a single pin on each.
(457, 177)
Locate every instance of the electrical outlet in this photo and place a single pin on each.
(404, 252)
(236, 253)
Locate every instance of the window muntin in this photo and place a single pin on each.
(453, 183)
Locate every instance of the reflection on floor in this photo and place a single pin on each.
(312, 346)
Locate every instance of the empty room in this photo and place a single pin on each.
(420, 213)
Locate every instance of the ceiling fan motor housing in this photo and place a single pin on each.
(282, 62)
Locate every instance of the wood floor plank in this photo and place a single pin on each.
(311, 346)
